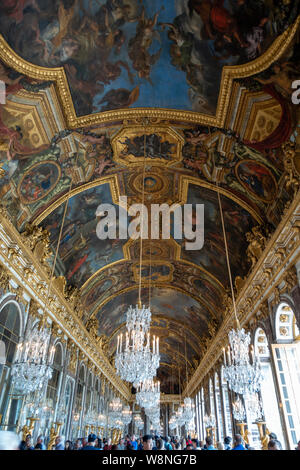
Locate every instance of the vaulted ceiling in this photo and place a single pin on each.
(91, 88)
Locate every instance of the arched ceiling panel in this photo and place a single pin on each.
(122, 53)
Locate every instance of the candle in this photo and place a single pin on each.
(224, 355)
(121, 342)
(118, 342)
(153, 347)
(157, 345)
(252, 354)
(228, 354)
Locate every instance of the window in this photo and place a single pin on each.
(227, 411)
(219, 414)
(268, 392)
(54, 382)
(9, 334)
(287, 361)
(287, 364)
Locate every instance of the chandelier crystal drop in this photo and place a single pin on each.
(135, 361)
(148, 394)
(32, 369)
(243, 375)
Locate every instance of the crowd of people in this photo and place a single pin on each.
(11, 441)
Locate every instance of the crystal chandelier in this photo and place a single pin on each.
(254, 406)
(188, 410)
(135, 361)
(239, 411)
(138, 421)
(172, 422)
(101, 420)
(180, 419)
(243, 375)
(115, 413)
(209, 421)
(32, 369)
(148, 393)
(126, 415)
(115, 407)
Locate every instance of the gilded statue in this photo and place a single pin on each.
(38, 240)
(92, 326)
(52, 438)
(4, 279)
(257, 243)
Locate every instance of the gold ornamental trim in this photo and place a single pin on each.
(229, 73)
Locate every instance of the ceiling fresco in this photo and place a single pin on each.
(133, 53)
(151, 56)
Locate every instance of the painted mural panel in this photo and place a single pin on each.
(150, 53)
(237, 221)
(164, 302)
(79, 236)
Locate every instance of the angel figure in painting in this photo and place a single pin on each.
(138, 47)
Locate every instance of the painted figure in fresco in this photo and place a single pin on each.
(282, 76)
(120, 98)
(216, 19)
(11, 142)
(155, 148)
(138, 47)
(38, 181)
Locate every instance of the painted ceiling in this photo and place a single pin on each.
(148, 80)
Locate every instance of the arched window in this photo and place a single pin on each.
(285, 323)
(227, 410)
(9, 334)
(261, 346)
(286, 355)
(219, 414)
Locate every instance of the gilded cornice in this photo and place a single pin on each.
(229, 73)
(31, 277)
(282, 251)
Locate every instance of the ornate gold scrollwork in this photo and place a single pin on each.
(4, 278)
(92, 326)
(291, 177)
(38, 240)
(257, 243)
